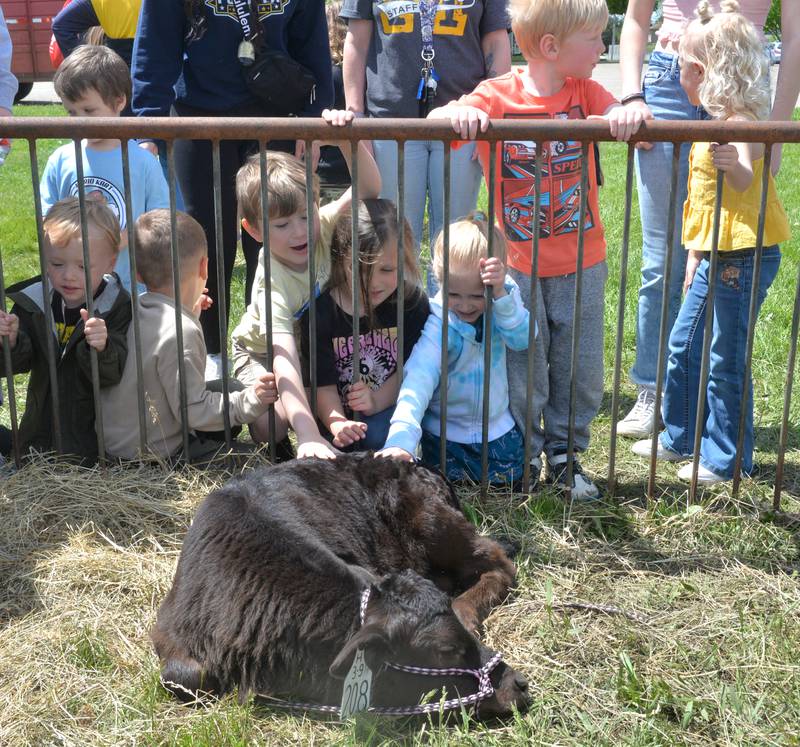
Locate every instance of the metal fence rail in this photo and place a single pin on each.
(539, 132)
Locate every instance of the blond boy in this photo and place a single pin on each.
(562, 42)
(289, 258)
(160, 352)
(32, 341)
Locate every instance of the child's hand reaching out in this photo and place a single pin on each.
(347, 432)
(9, 325)
(361, 398)
(395, 452)
(94, 330)
(493, 274)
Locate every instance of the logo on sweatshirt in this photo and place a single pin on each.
(263, 9)
(98, 188)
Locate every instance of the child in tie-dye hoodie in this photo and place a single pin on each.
(418, 412)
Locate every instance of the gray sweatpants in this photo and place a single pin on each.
(552, 356)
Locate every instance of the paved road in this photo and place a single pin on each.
(606, 73)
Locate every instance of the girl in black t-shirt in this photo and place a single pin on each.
(355, 410)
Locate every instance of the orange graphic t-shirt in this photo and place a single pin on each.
(506, 98)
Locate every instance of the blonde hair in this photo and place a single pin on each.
(62, 223)
(469, 243)
(97, 68)
(377, 226)
(286, 187)
(533, 19)
(731, 51)
(153, 234)
(337, 30)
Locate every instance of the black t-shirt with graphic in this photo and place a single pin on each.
(378, 346)
(66, 319)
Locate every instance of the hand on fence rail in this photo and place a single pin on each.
(266, 390)
(623, 121)
(9, 327)
(493, 274)
(466, 120)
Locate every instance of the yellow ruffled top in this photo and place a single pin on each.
(739, 216)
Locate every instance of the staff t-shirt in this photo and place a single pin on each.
(559, 215)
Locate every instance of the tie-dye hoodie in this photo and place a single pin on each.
(419, 400)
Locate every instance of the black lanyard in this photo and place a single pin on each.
(429, 80)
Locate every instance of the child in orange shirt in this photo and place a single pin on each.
(561, 42)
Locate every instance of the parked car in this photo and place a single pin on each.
(30, 24)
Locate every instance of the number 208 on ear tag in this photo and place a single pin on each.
(357, 691)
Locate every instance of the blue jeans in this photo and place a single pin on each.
(667, 100)
(506, 457)
(724, 392)
(424, 179)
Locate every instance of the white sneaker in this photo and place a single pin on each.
(704, 476)
(642, 448)
(582, 489)
(639, 422)
(213, 366)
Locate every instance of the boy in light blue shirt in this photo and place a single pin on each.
(94, 81)
(417, 415)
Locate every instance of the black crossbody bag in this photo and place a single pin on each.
(282, 85)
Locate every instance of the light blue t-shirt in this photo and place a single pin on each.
(102, 172)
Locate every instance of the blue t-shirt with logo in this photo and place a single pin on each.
(102, 174)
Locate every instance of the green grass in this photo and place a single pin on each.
(635, 623)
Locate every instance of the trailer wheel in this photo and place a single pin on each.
(23, 90)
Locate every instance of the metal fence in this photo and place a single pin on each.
(539, 132)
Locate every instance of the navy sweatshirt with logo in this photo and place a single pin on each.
(206, 73)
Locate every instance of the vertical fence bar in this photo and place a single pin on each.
(663, 330)
(751, 321)
(707, 332)
(137, 336)
(536, 230)
(267, 267)
(576, 316)
(488, 299)
(445, 290)
(787, 398)
(623, 288)
(401, 299)
(176, 288)
(12, 402)
(51, 345)
(355, 270)
(312, 273)
(89, 291)
(222, 293)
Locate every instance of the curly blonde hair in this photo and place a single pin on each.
(337, 30)
(731, 51)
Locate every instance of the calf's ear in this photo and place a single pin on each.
(376, 647)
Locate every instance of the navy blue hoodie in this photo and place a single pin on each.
(206, 73)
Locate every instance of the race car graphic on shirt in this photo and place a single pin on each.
(559, 209)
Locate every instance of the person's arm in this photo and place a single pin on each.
(369, 178)
(422, 373)
(496, 53)
(72, 22)
(157, 56)
(354, 67)
(292, 394)
(788, 85)
(308, 44)
(632, 46)
(8, 83)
